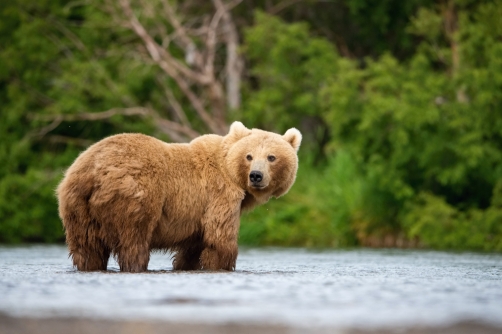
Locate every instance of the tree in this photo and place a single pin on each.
(64, 66)
(193, 70)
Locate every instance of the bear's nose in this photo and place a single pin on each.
(255, 176)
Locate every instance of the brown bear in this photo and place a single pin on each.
(129, 194)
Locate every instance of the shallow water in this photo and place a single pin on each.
(294, 287)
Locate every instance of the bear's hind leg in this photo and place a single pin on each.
(87, 249)
(188, 258)
(90, 258)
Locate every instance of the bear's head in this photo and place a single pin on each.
(262, 163)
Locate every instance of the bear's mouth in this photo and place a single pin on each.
(257, 186)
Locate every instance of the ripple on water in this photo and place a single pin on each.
(295, 287)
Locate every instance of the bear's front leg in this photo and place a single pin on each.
(222, 257)
(220, 240)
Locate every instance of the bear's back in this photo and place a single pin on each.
(138, 161)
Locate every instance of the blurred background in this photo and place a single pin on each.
(399, 103)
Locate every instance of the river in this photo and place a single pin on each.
(297, 288)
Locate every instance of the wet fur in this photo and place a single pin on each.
(130, 194)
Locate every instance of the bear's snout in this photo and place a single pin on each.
(255, 177)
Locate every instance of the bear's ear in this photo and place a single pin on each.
(294, 137)
(238, 131)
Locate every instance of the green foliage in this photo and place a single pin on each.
(291, 68)
(381, 24)
(329, 206)
(418, 132)
(304, 217)
(400, 108)
(440, 225)
(48, 67)
(29, 203)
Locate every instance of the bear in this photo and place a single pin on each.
(130, 194)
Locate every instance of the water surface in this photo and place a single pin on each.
(292, 287)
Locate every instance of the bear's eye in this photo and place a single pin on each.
(249, 157)
(271, 158)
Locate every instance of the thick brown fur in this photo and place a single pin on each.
(130, 194)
